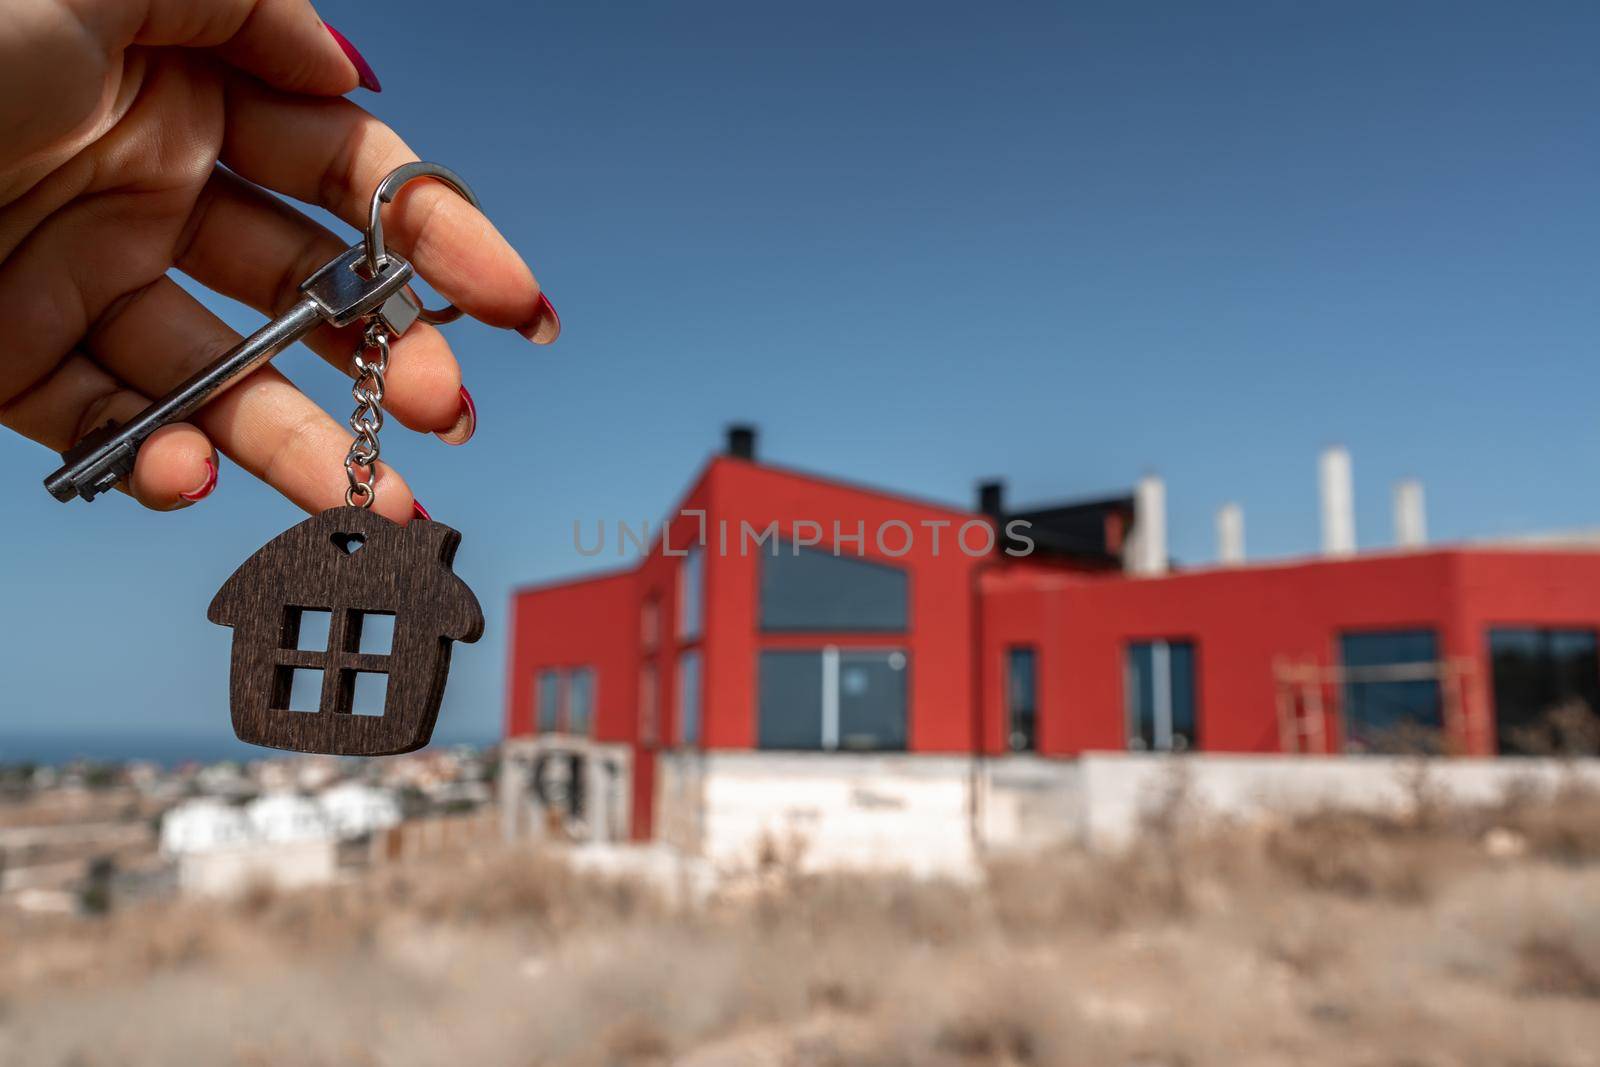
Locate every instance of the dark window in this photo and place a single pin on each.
(580, 701)
(689, 698)
(832, 699)
(802, 589)
(1392, 700)
(691, 592)
(1546, 690)
(1022, 701)
(1160, 696)
(872, 700)
(790, 700)
(548, 698)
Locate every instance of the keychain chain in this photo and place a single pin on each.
(367, 419)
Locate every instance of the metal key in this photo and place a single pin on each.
(338, 294)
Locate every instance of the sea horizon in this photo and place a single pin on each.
(168, 748)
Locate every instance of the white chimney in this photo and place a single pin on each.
(1410, 515)
(1230, 533)
(1338, 503)
(1148, 552)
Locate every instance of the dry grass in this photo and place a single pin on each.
(1448, 937)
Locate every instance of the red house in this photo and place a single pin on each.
(782, 610)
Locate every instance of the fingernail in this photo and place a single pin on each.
(545, 326)
(369, 80)
(418, 511)
(466, 422)
(206, 486)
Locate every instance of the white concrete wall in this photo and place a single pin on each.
(822, 811)
(1029, 803)
(285, 865)
(936, 815)
(1117, 788)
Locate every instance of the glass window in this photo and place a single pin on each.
(547, 697)
(808, 590)
(1021, 699)
(1546, 690)
(689, 698)
(790, 700)
(1391, 691)
(871, 700)
(1160, 696)
(580, 701)
(830, 699)
(649, 708)
(691, 587)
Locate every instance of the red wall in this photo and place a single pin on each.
(1241, 619)
(586, 623)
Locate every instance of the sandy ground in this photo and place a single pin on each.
(1449, 938)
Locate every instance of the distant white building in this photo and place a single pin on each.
(285, 817)
(224, 779)
(353, 809)
(203, 824)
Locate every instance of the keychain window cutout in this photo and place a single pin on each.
(372, 631)
(298, 689)
(307, 629)
(369, 692)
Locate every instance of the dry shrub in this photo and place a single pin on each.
(530, 886)
(922, 912)
(1153, 877)
(980, 1009)
(987, 1038)
(1563, 825)
(1068, 889)
(1362, 856)
(634, 1042)
(1557, 967)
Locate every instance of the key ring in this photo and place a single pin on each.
(387, 189)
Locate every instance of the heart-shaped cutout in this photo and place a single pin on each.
(349, 543)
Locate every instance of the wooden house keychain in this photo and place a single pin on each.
(349, 564)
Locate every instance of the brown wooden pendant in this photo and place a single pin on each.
(310, 611)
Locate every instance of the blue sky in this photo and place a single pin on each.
(920, 244)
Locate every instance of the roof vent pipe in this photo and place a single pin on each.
(1230, 534)
(1410, 515)
(1338, 503)
(1147, 549)
(992, 499)
(742, 441)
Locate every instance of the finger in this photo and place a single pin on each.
(176, 465)
(334, 154)
(282, 42)
(265, 424)
(281, 248)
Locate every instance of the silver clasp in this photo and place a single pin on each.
(377, 254)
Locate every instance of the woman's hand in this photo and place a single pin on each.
(114, 116)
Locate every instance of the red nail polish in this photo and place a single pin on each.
(466, 422)
(369, 80)
(418, 511)
(205, 487)
(545, 326)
